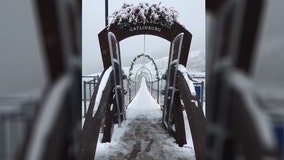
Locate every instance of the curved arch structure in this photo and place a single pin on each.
(141, 69)
(150, 58)
(165, 32)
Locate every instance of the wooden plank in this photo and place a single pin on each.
(109, 120)
(179, 120)
(251, 25)
(92, 124)
(52, 40)
(195, 116)
(245, 128)
(214, 5)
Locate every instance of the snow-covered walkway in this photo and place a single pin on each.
(142, 136)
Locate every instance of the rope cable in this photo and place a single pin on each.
(144, 59)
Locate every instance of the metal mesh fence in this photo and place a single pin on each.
(15, 115)
(88, 86)
(157, 89)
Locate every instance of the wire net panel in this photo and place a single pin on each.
(15, 116)
(88, 85)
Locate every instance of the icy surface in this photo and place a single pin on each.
(142, 136)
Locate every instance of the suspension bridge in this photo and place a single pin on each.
(107, 107)
(241, 124)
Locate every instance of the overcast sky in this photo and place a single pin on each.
(191, 15)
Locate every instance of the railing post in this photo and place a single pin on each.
(90, 90)
(152, 92)
(109, 119)
(135, 87)
(129, 96)
(202, 93)
(129, 92)
(195, 114)
(85, 99)
(94, 84)
(158, 90)
(178, 120)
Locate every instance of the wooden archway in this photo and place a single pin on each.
(165, 32)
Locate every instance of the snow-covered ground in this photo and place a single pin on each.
(142, 136)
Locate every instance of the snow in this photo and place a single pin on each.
(148, 13)
(142, 135)
(137, 107)
(101, 89)
(184, 72)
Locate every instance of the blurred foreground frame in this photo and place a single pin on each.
(237, 125)
(55, 129)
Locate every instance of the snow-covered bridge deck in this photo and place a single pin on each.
(142, 135)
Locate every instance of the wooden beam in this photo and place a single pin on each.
(196, 118)
(51, 38)
(92, 124)
(179, 120)
(245, 128)
(249, 32)
(109, 120)
(166, 33)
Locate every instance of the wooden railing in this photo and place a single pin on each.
(92, 124)
(195, 114)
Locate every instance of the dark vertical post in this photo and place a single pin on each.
(158, 90)
(178, 120)
(2, 134)
(90, 90)
(152, 89)
(161, 90)
(97, 79)
(109, 119)
(135, 87)
(94, 79)
(49, 25)
(251, 25)
(202, 93)
(129, 93)
(85, 99)
(106, 12)
(94, 84)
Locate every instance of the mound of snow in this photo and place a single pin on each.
(138, 107)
